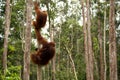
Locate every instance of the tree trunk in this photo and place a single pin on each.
(39, 68)
(105, 65)
(100, 45)
(87, 40)
(112, 42)
(90, 52)
(72, 62)
(6, 33)
(53, 60)
(27, 40)
(101, 50)
(39, 72)
(51, 39)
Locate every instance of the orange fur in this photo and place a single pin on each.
(41, 17)
(43, 55)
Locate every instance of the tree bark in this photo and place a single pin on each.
(27, 40)
(39, 72)
(39, 68)
(90, 52)
(53, 60)
(112, 42)
(6, 32)
(101, 49)
(87, 40)
(105, 65)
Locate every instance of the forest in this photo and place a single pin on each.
(79, 40)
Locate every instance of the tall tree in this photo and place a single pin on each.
(53, 61)
(27, 40)
(90, 52)
(87, 40)
(104, 45)
(6, 32)
(112, 42)
(100, 43)
(101, 50)
(51, 26)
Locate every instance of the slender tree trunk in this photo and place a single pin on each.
(90, 52)
(53, 61)
(101, 49)
(72, 62)
(100, 45)
(112, 42)
(6, 33)
(105, 65)
(39, 72)
(85, 40)
(59, 52)
(51, 38)
(39, 68)
(27, 40)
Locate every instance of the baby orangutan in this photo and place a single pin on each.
(41, 17)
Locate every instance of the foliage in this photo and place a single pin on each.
(13, 73)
